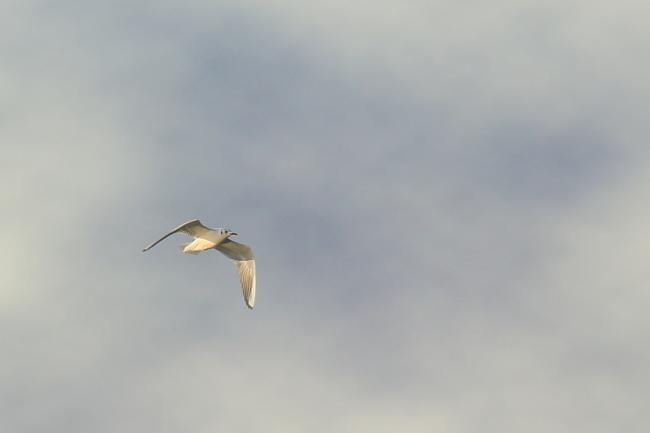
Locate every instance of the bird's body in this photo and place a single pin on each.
(206, 238)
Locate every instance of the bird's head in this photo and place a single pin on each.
(229, 232)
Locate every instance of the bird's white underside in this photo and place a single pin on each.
(198, 245)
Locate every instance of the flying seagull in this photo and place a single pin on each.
(206, 238)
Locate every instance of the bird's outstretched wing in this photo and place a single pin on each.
(245, 262)
(193, 228)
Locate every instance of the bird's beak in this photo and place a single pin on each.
(233, 234)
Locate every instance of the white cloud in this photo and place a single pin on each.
(446, 202)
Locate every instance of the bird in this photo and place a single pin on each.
(206, 238)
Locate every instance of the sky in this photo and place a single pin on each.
(448, 202)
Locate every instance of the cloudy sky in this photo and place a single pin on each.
(448, 201)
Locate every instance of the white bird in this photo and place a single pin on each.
(206, 238)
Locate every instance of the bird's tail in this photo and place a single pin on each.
(183, 248)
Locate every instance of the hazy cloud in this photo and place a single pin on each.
(447, 202)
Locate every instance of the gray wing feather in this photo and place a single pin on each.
(235, 250)
(245, 262)
(193, 228)
(246, 270)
